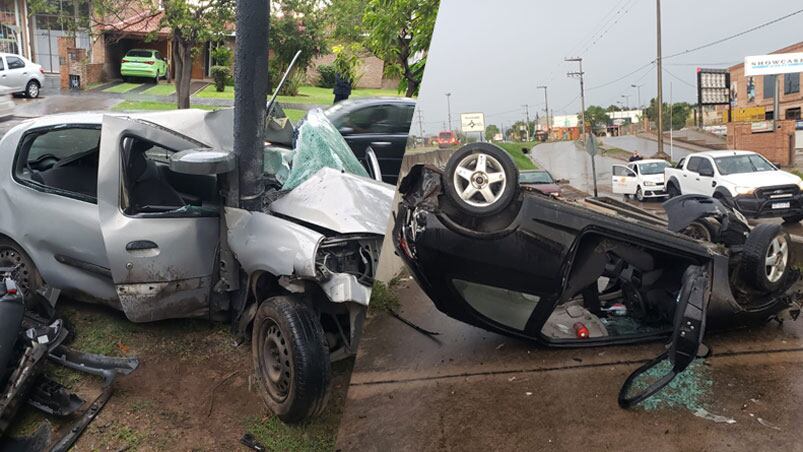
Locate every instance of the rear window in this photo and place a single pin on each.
(445, 135)
(140, 53)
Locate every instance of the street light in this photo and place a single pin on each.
(449, 109)
(638, 93)
(627, 101)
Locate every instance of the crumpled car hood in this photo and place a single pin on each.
(341, 202)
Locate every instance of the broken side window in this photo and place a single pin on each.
(320, 145)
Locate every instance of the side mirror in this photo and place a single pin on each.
(203, 162)
(345, 130)
(373, 164)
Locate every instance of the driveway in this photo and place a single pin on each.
(474, 390)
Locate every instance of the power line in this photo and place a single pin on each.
(640, 68)
(604, 33)
(679, 79)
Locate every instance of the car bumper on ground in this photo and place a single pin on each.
(756, 207)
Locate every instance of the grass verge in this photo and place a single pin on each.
(136, 105)
(121, 88)
(306, 94)
(515, 150)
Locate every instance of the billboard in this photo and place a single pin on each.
(779, 63)
(472, 122)
(713, 86)
(749, 114)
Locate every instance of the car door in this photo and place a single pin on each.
(380, 126)
(623, 180)
(687, 338)
(705, 177)
(16, 73)
(161, 261)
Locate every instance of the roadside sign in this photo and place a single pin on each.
(779, 63)
(748, 114)
(761, 126)
(713, 86)
(472, 122)
(591, 145)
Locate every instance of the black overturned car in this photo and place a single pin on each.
(509, 259)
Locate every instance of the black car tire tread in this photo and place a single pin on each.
(753, 255)
(311, 366)
(508, 165)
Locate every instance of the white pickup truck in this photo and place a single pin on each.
(750, 182)
(643, 179)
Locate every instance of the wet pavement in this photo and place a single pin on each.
(646, 147)
(475, 390)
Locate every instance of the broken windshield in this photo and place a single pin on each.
(319, 145)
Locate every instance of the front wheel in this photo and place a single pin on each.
(291, 358)
(481, 179)
(32, 89)
(639, 194)
(672, 190)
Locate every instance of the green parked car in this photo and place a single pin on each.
(143, 63)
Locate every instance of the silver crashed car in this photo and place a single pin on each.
(130, 211)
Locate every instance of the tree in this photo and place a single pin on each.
(596, 117)
(679, 114)
(399, 33)
(296, 25)
(491, 131)
(614, 108)
(344, 19)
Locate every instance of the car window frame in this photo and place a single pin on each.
(8, 64)
(708, 162)
(693, 158)
(25, 145)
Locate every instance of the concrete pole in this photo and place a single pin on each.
(449, 109)
(660, 71)
(546, 109)
(527, 121)
(250, 98)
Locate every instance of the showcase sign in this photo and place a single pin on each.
(779, 63)
(472, 122)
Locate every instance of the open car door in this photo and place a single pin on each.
(623, 180)
(161, 243)
(687, 337)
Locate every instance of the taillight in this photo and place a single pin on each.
(148, 62)
(581, 331)
(41, 69)
(125, 61)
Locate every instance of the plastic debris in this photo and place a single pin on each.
(705, 414)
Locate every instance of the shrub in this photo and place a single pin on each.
(326, 75)
(221, 56)
(221, 76)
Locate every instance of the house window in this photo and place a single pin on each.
(793, 113)
(769, 86)
(791, 83)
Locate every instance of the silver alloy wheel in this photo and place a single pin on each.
(776, 258)
(33, 90)
(480, 180)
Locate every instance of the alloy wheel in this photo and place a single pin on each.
(776, 258)
(480, 180)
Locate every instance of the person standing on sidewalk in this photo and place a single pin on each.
(342, 89)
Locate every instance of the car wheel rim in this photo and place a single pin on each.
(776, 259)
(697, 232)
(9, 257)
(639, 195)
(480, 180)
(276, 364)
(33, 91)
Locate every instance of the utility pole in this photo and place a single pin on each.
(420, 124)
(546, 109)
(579, 75)
(638, 94)
(660, 68)
(527, 121)
(671, 127)
(449, 109)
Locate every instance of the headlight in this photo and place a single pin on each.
(358, 256)
(649, 183)
(744, 190)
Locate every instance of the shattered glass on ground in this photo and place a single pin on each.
(688, 390)
(320, 145)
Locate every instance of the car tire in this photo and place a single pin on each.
(793, 219)
(481, 179)
(766, 257)
(28, 278)
(672, 190)
(32, 89)
(291, 358)
(639, 194)
(699, 230)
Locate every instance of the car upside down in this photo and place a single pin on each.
(594, 272)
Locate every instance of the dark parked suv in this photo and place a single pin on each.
(381, 123)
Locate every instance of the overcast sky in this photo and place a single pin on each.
(491, 55)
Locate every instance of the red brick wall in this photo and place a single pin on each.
(776, 146)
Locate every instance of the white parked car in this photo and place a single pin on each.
(745, 179)
(643, 179)
(21, 75)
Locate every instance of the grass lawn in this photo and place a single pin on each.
(306, 94)
(514, 149)
(121, 88)
(162, 89)
(135, 105)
